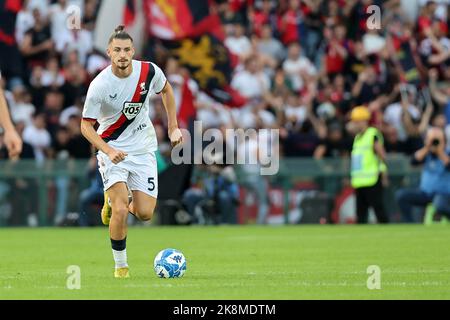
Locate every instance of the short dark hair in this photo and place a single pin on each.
(120, 33)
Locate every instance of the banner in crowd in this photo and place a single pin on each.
(209, 63)
(10, 59)
(129, 12)
(406, 59)
(178, 19)
(194, 35)
(205, 57)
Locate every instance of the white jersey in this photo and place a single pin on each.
(121, 107)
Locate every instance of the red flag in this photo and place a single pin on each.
(129, 13)
(178, 19)
(13, 5)
(210, 65)
(194, 35)
(187, 111)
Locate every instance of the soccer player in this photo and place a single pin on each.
(11, 137)
(118, 100)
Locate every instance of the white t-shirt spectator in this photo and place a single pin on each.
(42, 5)
(373, 43)
(297, 113)
(81, 41)
(247, 154)
(238, 45)
(393, 116)
(267, 118)
(251, 85)
(212, 113)
(441, 10)
(294, 67)
(49, 78)
(39, 139)
(243, 118)
(96, 63)
(426, 48)
(23, 112)
(273, 48)
(58, 21)
(410, 8)
(67, 113)
(254, 151)
(24, 22)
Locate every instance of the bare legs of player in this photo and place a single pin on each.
(118, 194)
(142, 207)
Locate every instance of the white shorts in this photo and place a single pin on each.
(139, 172)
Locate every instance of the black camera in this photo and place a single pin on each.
(435, 142)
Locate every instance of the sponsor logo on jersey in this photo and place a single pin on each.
(143, 89)
(140, 127)
(131, 109)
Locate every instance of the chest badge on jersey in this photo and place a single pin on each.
(131, 109)
(143, 89)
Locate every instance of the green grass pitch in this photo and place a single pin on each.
(242, 262)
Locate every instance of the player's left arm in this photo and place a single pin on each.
(168, 99)
(13, 141)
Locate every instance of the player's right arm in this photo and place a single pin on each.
(88, 131)
(91, 112)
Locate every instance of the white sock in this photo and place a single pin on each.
(120, 258)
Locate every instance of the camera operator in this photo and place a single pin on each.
(216, 197)
(435, 178)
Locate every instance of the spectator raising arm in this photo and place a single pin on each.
(437, 95)
(442, 155)
(410, 127)
(319, 127)
(320, 151)
(425, 121)
(440, 57)
(356, 90)
(419, 155)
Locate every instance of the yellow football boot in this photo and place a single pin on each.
(122, 273)
(106, 210)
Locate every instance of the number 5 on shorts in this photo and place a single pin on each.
(152, 184)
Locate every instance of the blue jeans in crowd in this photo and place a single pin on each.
(227, 210)
(62, 198)
(88, 197)
(258, 185)
(407, 199)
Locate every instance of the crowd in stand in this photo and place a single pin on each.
(302, 66)
(46, 87)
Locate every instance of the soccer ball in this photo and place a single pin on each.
(169, 263)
